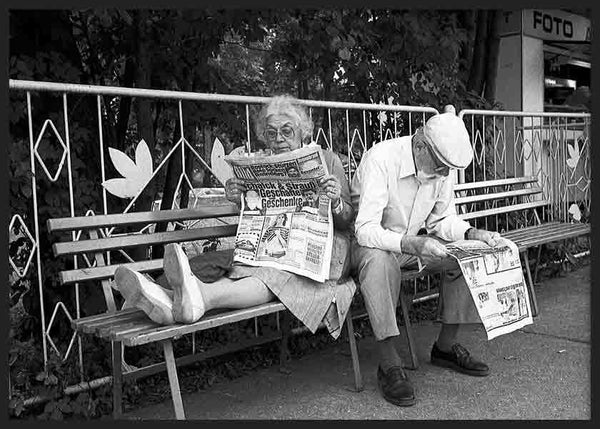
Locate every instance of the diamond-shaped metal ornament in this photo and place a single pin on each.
(500, 146)
(519, 146)
(321, 132)
(478, 153)
(22, 272)
(60, 306)
(52, 177)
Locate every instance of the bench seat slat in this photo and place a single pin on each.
(162, 333)
(75, 323)
(120, 219)
(542, 230)
(131, 331)
(511, 181)
(111, 243)
(557, 234)
(91, 328)
(137, 328)
(505, 209)
(497, 195)
(532, 230)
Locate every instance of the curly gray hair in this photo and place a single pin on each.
(285, 105)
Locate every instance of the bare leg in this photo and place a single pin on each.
(242, 293)
(192, 297)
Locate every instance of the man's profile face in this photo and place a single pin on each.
(429, 167)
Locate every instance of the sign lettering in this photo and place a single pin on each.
(556, 25)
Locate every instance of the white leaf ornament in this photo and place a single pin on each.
(136, 175)
(219, 166)
(143, 158)
(573, 154)
(575, 212)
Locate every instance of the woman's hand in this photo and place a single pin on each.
(330, 186)
(233, 190)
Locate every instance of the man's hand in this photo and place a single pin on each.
(426, 248)
(233, 190)
(491, 238)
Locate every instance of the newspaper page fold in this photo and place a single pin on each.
(285, 222)
(495, 278)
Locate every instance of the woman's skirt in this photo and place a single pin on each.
(309, 301)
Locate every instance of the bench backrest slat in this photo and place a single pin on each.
(120, 219)
(496, 182)
(106, 272)
(497, 195)
(500, 210)
(119, 242)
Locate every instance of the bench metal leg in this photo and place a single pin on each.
(358, 382)
(537, 263)
(117, 381)
(284, 351)
(569, 256)
(408, 329)
(532, 297)
(173, 380)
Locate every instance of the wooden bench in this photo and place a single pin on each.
(522, 195)
(131, 327)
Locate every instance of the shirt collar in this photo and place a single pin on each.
(408, 168)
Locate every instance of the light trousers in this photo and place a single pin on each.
(379, 274)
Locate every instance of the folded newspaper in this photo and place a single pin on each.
(495, 278)
(285, 222)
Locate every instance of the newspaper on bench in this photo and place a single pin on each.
(284, 223)
(495, 279)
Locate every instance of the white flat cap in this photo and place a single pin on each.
(449, 139)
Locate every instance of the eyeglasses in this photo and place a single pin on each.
(286, 132)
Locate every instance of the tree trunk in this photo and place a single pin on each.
(143, 106)
(467, 21)
(493, 46)
(125, 105)
(477, 74)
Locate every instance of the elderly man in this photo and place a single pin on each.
(401, 186)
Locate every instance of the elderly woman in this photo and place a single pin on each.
(285, 126)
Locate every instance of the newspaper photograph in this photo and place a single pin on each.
(285, 222)
(495, 279)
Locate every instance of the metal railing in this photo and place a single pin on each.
(54, 155)
(553, 147)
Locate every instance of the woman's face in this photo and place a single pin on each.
(282, 134)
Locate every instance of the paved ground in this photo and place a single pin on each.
(539, 372)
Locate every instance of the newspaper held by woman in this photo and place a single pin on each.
(285, 221)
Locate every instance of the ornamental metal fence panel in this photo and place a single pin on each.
(552, 147)
(71, 156)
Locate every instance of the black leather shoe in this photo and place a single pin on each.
(395, 386)
(459, 360)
